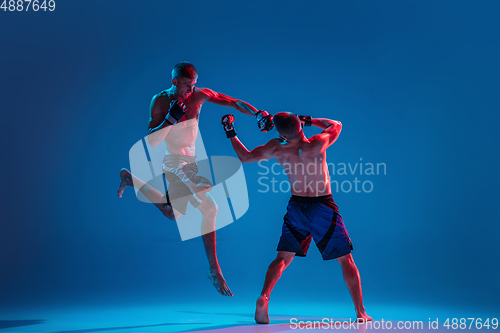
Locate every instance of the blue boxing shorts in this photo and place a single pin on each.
(316, 217)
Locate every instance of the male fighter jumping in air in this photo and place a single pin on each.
(174, 115)
(311, 211)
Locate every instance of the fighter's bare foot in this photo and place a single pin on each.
(363, 318)
(215, 276)
(262, 310)
(126, 180)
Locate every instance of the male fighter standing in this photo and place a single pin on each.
(174, 115)
(311, 211)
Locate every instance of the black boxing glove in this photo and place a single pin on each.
(227, 121)
(175, 112)
(264, 121)
(305, 120)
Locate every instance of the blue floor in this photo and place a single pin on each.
(202, 317)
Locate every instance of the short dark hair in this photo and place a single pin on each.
(287, 124)
(184, 69)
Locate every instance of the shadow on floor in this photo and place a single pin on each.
(18, 323)
(127, 327)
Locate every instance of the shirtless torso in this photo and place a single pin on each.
(180, 138)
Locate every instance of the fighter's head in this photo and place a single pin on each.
(288, 125)
(184, 76)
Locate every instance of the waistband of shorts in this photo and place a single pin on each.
(321, 198)
(179, 158)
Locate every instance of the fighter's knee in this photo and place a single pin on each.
(280, 261)
(208, 206)
(169, 212)
(346, 261)
(285, 258)
(177, 214)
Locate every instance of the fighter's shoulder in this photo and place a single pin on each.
(206, 92)
(318, 141)
(162, 96)
(316, 138)
(160, 100)
(276, 141)
(274, 144)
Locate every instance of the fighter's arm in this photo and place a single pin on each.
(157, 129)
(163, 114)
(261, 153)
(331, 131)
(224, 100)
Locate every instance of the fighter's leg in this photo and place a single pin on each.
(208, 209)
(353, 282)
(276, 268)
(153, 194)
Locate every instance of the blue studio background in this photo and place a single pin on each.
(415, 84)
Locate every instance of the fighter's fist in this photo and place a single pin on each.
(227, 121)
(305, 120)
(175, 112)
(264, 121)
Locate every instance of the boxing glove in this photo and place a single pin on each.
(175, 112)
(264, 121)
(227, 121)
(305, 120)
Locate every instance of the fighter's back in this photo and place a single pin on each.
(304, 162)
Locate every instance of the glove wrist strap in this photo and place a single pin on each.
(307, 120)
(231, 134)
(171, 120)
